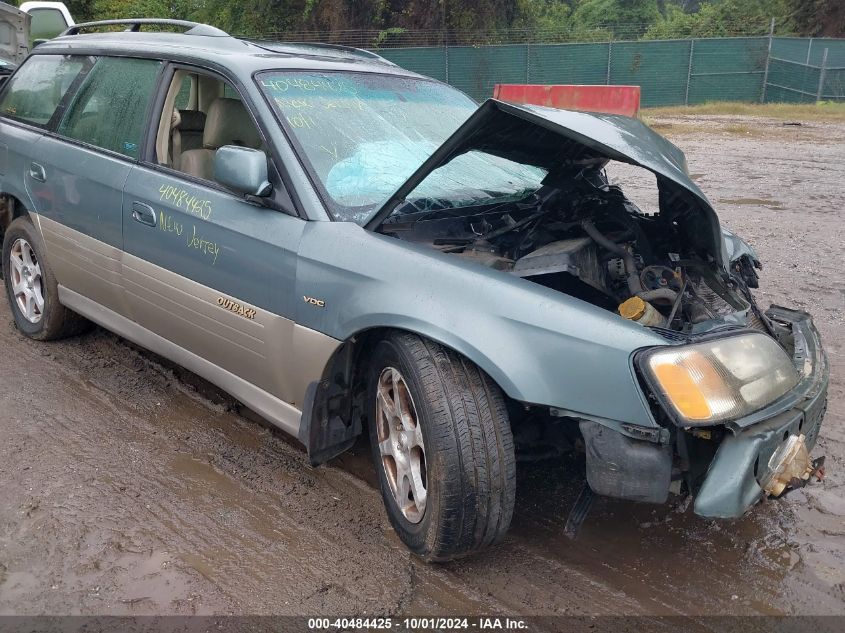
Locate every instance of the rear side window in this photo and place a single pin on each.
(230, 93)
(110, 108)
(35, 90)
(183, 97)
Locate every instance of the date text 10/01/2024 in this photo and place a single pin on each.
(419, 624)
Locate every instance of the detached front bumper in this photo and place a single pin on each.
(733, 480)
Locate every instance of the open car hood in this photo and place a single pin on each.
(551, 139)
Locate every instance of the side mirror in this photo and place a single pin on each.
(242, 169)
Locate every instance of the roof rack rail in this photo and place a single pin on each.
(135, 24)
(360, 52)
(363, 52)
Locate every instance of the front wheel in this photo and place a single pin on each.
(442, 446)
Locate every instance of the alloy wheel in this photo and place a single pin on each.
(27, 282)
(401, 445)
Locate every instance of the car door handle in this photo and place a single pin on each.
(36, 172)
(143, 213)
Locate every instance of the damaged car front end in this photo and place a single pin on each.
(743, 410)
(737, 394)
(635, 333)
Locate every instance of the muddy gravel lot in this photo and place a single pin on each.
(128, 486)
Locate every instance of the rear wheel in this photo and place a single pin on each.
(31, 287)
(442, 446)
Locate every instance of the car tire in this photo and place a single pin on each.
(31, 286)
(450, 461)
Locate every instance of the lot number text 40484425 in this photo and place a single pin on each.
(419, 624)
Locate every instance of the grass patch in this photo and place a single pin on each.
(739, 129)
(698, 127)
(684, 128)
(824, 111)
(672, 128)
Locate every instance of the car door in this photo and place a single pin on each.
(28, 103)
(79, 170)
(214, 274)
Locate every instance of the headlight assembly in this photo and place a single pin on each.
(719, 379)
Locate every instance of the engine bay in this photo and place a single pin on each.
(581, 235)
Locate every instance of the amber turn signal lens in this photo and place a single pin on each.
(682, 391)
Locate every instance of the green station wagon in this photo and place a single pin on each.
(345, 245)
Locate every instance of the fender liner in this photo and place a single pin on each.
(329, 426)
(324, 435)
(625, 468)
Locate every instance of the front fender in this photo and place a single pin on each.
(540, 346)
(736, 247)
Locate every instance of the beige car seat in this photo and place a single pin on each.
(186, 131)
(227, 123)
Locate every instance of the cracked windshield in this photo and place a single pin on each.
(365, 135)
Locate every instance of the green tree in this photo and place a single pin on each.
(717, 18)
(545, 16)
(116, 9)
(623, 18)
(548, 19)
(81, 10)
(824, 18)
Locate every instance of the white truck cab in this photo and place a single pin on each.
(48, 19)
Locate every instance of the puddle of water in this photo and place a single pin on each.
(756, 202)
(201, 484)
(17, 585)
(203, 476)
(434, 593)
(199, 564)
(674, 561)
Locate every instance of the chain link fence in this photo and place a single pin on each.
(806, 70)
(751, 65)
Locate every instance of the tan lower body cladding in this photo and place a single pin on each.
(264, 360)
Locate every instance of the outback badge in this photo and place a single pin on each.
(237, 308)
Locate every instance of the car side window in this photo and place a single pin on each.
(184, 98)
(230, 93)
(110, 108)
(36, 89)
(194, 135)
